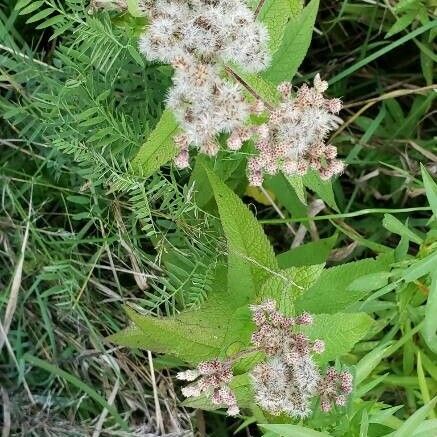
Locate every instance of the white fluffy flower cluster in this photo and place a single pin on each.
(288, 379)
(198, 37)
(293, 138)
(205, 105)
(209, 30)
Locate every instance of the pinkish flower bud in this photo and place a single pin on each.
(284, 88)
(340, 400)
(289, 167)
(325, 406)
(333, 105)
(210, 148)
(330, 151)
(346, 381)
(234, 142)
(302, 167)
(182, 160)
(181, 141)
(325, 173)
(255, 178)
(305, 319)
(320, 85)
(336, 166)
(188, 375)
(191, 391)
(263, 131)
(258, 107)
(233, 410)
(319, 346)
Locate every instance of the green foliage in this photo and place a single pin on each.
(84, 135)
(251, 259)
(294, 45)
(340, 332)
(159, 147)
(332, 292)
(275, 15)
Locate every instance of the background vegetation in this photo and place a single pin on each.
(81, 235)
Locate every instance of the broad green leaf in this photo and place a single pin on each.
(295, 43)
(293, 431)
(286, 285)
(431, 190)
(430, 324)
(315, 252)
(340, 332)
(275, 14)
(409, 426)
(216, 329)
(251, 259)
(394, 225)
(194, 335)
(330, 294)
(322, 188)
(159, 147)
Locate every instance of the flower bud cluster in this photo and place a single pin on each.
(212, 378)
(288, 379)
(197, 37)
(293, 138)
(333, 388)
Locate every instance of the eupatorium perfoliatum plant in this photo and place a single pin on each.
(265, 340)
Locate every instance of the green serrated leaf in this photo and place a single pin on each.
(370, 282)
(295, 43)
(330, 294)
(159, 147)
(275, 14)
(340, 332)
(286, 285)
(251, 259)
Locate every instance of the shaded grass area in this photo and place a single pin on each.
(73, 251)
